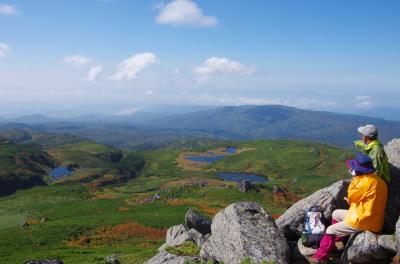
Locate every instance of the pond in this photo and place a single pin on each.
(230, 150)
(211, 156)
(238, 176)
(206, 159)
(60, 172)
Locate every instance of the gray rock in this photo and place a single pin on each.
(113, 259)
(392, 212)
(244, 230)
(167, 258)
(177, 235)
(198, 222)
(392, 150)
(329, 198)
(398, 237)
(365, 249)
(245, 185)
(44, 261)
(388, 243)
(24, 225)
(174, 232)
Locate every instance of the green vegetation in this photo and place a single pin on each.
(21, 166)
(188, 248)
(131, 165)
(86, 222)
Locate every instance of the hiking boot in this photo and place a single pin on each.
(339, 245)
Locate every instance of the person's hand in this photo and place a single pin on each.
(359, 143)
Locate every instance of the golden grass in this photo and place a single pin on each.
(108, 235)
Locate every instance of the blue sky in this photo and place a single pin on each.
(331, 55)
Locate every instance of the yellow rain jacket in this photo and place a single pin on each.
(367, 195)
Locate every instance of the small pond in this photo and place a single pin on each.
(60, 172)
(211, 156)
(230, 150)
(238, 176)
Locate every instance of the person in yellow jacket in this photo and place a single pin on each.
(367, 195)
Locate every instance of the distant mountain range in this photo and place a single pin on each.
(144, 129)
(275, 121)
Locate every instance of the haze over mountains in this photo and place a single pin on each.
(143, 129)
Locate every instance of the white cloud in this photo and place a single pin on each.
(363, 97)
(93, 73)
(149, 92)
(8, 10)
(184, 12)
(128, 111)
(4, 49)
(76, 60)
(130, 67)
(364, 101)
(222, 66)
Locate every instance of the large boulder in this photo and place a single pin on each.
(366, 249)
(329, 198)
(198, 222)
(393, 204)
(243, 230)
(167, 258)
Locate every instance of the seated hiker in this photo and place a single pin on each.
(367, 196)
(371, 146)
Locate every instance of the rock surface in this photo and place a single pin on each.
(177, 235)
(113, 259)
(329, 198)
(244, 230)
(366, 249)
(393, 204)
(398, 237)
(245, 185)
(166, 258)
(388, 243)
(44, 261)
(197, 222)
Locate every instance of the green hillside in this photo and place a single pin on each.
(22, 166)
(85, 223)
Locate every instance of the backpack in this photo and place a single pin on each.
(314, 227)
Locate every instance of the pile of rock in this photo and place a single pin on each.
(242, 230)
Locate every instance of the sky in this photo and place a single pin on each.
(330, 55)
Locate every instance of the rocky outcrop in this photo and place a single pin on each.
(197, 222)
(329, 198)
(167, 258)
(366, 249)
(243, 230)
(393, 204)
(177, 235)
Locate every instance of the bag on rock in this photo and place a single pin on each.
(314, 227)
